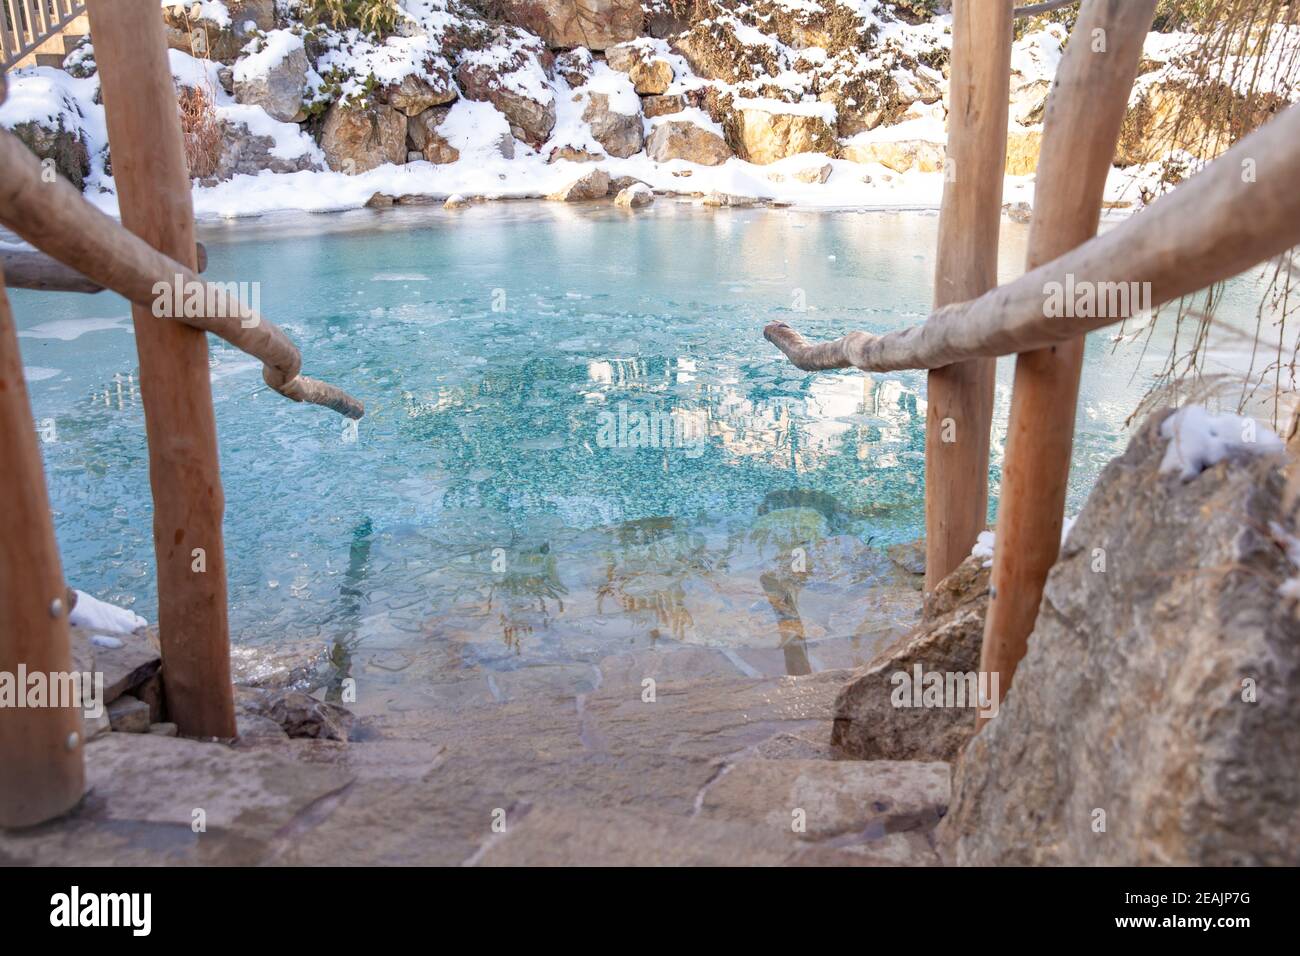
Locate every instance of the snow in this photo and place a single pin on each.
(268, 52)
(1199, 439)
(212, 10)
(96, 615)
(986, 540)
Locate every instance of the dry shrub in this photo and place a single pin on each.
(201, 129)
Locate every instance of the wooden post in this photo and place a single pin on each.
(1084, 114)
(153, 188)
(959, 397)
(43, 771)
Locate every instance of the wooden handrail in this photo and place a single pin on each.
(58, 220)
(26, 24)
(1216, 225)
(40, 747)
(33, 269)
(959, 398)
(1081, 129)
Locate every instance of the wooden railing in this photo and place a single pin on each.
(26, 24)
(152, 247)
(1240, 211)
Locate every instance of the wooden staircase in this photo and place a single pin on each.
(40, 32)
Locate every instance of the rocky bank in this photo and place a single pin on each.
(821, 101)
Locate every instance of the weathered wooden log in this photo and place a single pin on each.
(56, 219)
(153, 188)
(1081, 130)
(959, 397)
(41, 753)
(33, 269)
(1239, 211)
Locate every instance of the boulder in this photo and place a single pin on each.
(718, 198)
(358, 138)
(634, 196)
(814, 174)
(275, 79)
(682, 139)
(414, 94)
(129, 715)
(593, 185)
(663, 105)
(1023, 146)
(867, 724)
(621, 134)
(898, 155)
(1153, 718)
(596, 24)
(189, 31)
(422, 133)
(650, 75)
(63, 145)
(763, 136)
(531, 119)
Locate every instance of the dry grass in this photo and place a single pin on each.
(1245, 70)
(201, 129)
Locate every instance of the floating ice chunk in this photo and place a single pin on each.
(1198, 440)
(96, 615)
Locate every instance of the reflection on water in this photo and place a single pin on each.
(578, 441)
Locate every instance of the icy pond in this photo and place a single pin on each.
(500, 506)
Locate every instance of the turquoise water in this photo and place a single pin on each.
(481, 505)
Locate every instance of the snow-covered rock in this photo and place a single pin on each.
(634, 196)
(621, 134)
(274, 76)
(512, 76)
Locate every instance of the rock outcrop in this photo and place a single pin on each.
(1154, 718)
(595, 24)
(766, 135)
(898, 155)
